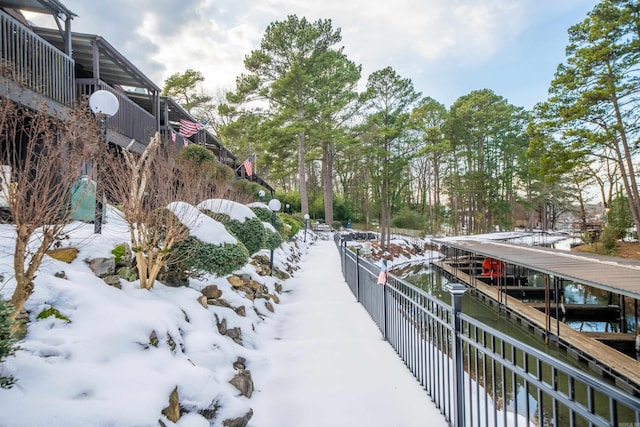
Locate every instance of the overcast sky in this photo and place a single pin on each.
(448, 48)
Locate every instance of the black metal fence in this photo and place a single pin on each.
(476, 375)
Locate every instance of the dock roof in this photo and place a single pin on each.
(617, 275)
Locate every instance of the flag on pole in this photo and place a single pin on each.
(188, 128)
(173, 135)
(248, 168)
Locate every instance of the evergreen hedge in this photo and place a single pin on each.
(7, 339)
(251, 232)
(199, 257)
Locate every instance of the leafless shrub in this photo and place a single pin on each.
(41, 158)
(143, 186)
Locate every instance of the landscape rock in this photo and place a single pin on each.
(172, 412)
(243, 382)
(63, 254)
(239, 422)
(211, 291)
(235, 281)
(113, 280)
(203, 301)
(103, 267)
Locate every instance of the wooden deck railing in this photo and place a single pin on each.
(131, 120)
(35, 63)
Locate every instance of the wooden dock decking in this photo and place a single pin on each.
(601, 358)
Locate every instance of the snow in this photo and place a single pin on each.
(317, 360)
(235, 210)
(202, 226)
(344, 372)
(518, 237)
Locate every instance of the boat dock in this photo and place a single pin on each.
(605, 352)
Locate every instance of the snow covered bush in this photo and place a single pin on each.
(200, 257)
(265, 215)
(251, 232)
(274, 240)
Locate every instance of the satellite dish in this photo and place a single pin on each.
(103, 102)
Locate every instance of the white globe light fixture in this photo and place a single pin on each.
(274, 205)
(104, 102)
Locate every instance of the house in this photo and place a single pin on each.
(57, 67)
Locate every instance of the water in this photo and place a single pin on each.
(434, 283)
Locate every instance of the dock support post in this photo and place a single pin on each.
(557, 302)
(457, 290)
(623, 316)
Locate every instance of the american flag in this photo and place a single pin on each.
(173, 135)
(248, 168)
(188, 128)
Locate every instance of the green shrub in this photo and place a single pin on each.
(294, 225)
(200, 257)
(407, 218)
(273, 240)
(251, 233)
(7, 339)
(265, 215)
(52, 311)
(220, 217)
(196, 154)
(119, 252)
(609, 238)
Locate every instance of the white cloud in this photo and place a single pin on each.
(414, 37)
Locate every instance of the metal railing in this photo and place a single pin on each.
(35, 63)
(131, 120)
(475, 374)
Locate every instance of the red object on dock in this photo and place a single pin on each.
(492, 267)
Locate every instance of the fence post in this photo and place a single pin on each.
(358, 274)
(384, 312)
(457, 290)
(344, 258)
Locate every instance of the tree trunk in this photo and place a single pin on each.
(627, 170)
(327, 181)
(304, 198)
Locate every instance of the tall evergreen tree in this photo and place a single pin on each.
(183, 88)
(595, 93)
(489, 141)
(389, 101)
(283, 73)
(428, 119)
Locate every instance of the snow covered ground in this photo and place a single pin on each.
(317, 360)
(326, 363)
